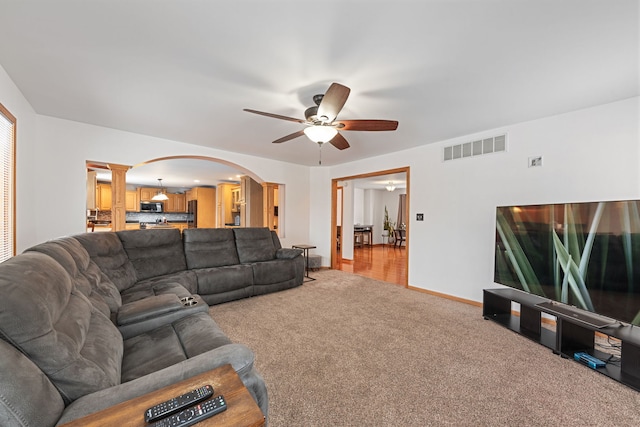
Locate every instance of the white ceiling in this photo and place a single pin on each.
(185, 69)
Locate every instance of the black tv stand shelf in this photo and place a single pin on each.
(570, 336)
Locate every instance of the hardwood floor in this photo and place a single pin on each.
(383, 262)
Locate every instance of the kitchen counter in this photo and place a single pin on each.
(152, 226)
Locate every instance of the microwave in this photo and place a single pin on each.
(150, 206)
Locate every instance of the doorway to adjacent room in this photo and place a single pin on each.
(364, 207)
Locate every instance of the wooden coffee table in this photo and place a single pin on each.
(242, 410)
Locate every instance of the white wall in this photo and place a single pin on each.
(64, 147)
(358, 206)
(591, 154)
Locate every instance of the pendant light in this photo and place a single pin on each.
(161, 194)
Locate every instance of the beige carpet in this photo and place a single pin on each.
(351, 351)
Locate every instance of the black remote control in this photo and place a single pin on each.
(194, 414)
(177, 404)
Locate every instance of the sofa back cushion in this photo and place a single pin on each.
(106, 250)
(209, 247)
(154, 252)
(27, 397)
(276, 240)
(254, 244)
(86, 275)
(46, 317)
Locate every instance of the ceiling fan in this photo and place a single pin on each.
(321, 122)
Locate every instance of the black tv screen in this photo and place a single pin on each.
(582, 254)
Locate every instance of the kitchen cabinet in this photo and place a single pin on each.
(132, 226)
(251, 211)
(132, 202)
(92, 185)
(180, 203)
(175, 203)
(206, 198)
(103, 196)
(146, 193)
(235, 199)
(227, 204)
(179, 225)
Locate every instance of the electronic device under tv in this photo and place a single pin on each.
(585, 256)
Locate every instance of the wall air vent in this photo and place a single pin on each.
(479, 147)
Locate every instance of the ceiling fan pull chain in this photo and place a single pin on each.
(320, 154)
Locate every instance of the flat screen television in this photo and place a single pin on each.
(584, 255)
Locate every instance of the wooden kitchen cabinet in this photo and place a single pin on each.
(228, 204)
(132, 203)
(103, 196)
(206, 198)
(146, 193)
(180, 225)
(175, 203)
(180, 203)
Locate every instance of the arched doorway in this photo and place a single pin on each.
(239, 197)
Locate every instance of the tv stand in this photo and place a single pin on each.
(572, 334)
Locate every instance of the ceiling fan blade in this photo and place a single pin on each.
(368, 125)
(275, 116)
(339, 142)
(289, 137)
(332, 102)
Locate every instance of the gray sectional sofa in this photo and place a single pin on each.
(93, 320)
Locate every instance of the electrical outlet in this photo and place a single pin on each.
(420, 217)
(535, 161)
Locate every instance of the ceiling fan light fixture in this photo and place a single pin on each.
(390, 186)
(320, 134)
(161, 194)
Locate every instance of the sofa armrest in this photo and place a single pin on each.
(150, 313)
(147, 307)
(238, 356)
(288, 253)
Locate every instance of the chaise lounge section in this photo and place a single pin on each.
(96, 319)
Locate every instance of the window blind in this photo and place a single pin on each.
(7, 183)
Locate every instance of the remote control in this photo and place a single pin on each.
(194, 414)
(177, 404)
(589, 360)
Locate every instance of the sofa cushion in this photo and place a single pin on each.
(45, 316)
(21, 377)
(86, 275)
(154, 252)
(224, 279)
(106, 250)
(209, 247)
(254, 244)
(179, 341)
(272, 272)
(276, 240)
(182, 284)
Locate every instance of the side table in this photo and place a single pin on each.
(242, 410)
(305, 253)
